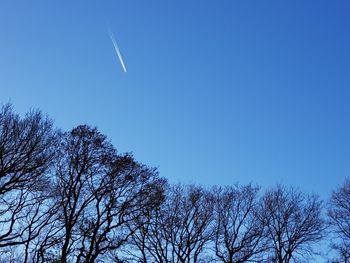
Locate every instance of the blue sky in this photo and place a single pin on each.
(216, 91)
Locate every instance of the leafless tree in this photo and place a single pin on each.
(144, 228)
(238, 230)
(178, 230)
(98, 192)
(339, 215)
(26, 155)
(294, 223)
(71, 197)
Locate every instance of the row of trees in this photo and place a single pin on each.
(71, 197)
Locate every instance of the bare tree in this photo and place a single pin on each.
(238, 230)
(72, 198)
(178, 230)
(26, 155)
(98, 192)
(144, 244)
(339, 215)
(128, 193)
(294, 223)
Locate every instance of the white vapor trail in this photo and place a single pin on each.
(117, 50)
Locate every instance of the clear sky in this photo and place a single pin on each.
(216, 91)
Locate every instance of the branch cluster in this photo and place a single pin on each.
(71, 197)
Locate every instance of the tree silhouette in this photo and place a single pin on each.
(71, 197)
(26, 155)
(294, 223)
(238, 231)
(97, 192)
(339, 214)
(178, 229)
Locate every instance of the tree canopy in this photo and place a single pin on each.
(70, 196)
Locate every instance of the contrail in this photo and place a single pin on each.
(117, 49)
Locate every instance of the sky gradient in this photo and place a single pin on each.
(216, 92)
